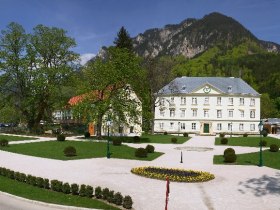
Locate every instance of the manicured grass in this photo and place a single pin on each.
(16, 138)
(54, 150)
(270, 159)
(34, 193)
(248, 141)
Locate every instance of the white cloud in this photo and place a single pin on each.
(86, 57)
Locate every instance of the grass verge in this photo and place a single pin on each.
(248, 141)
(270, 159)
(54, 150)
(34, 193)
(16, 138)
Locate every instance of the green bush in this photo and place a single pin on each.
(264, 133)
(110, 197)
(60, 137)
(40, 182)
(245, 135)
(224, 140)
(98, 192)
(222, 135)
(70, 151)
(229, 150)
(230, 157)
(263, 143)
(136, 139)
(274, 148)
(105, 193)
(127, 202)
(185, 134)
(141, 152)
(56, 185)
(22, 177)
(89, 191)
(117, 142)
(66, 188)
(150, 148)
(74, 189)
(118, 199)
(31, 180)
(165, 133)
(174, 140)
(87, 135)
(4, 142)
(46, 183)
(17, 176)
(82, 191)
(10, 174)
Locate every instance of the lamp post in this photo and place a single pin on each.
(260, 129)
(108, 144)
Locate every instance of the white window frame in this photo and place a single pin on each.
(241, 113)
(161, 101)
(219, 100)
(206, 100)
(241, 127)
(161, 125)
(161, 113)
(230, 113)
(183, 100)
(172, 112)
(252, 127)
(241, 101)
(252, 102)
(171, 125)
(194, 112)
(183, 126)
(252, 114)
(194, 101)
(219, 126)
(183, 113)
(230, 101)
(219, 113)
(229, 126)
(206, 113)
(193, 126)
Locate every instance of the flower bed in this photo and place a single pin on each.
(176, 175)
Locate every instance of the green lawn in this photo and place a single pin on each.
(34, 193)
(54, 150)
(16, 138)
(270, 159)
(248, 141)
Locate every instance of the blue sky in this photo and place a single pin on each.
(95, 23)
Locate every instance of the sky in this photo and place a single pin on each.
(95, 23)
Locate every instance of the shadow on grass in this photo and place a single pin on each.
(265, 185)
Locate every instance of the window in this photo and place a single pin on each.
(252, 127)
(171, 125)
(219, 126)
(183, 126)
(252, 113)
(183, 113)
(172, 112)
(161, 125)
(252, 102)
(241, 113)
(193, 126)
(219, 113)
(162, 112)
(241, 126)
(230, 101)
(183, 100)
(219, 101)
(241, 101)
(230, 126)
(172, 100)
(194, 101)
(194, 112)
(230, 113)
(206, 100)
(161, 102)
(206, 113)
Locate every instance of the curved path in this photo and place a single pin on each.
(235, 187)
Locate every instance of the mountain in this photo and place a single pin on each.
(194, 36)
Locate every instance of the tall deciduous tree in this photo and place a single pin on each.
(34, 67)
(106, 87)
(123, 40)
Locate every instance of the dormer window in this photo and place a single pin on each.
(184, 88)
(229, 89)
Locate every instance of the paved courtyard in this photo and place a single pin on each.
(235, 187)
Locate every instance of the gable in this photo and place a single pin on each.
(207, 89)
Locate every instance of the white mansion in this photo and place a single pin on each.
(207, 105)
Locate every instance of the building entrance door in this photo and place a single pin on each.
(206, 128)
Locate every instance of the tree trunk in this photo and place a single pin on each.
(99, 127)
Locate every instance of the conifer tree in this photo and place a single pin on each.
(123, 40)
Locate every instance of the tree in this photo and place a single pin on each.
(106, 86)
(123, 40)
(34, 67)
(268, 109)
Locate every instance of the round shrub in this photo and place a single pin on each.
(185, 134)
(74, 189)
(110, 197)
(136, 139)
(230, 157)
(70, 151)
(117, 142)
(4, 142)
(274, 148)
(56, 185)
(264, 133)
(222, 135)
(228, 151)
(245, 135)
(98, 192)
(82, 191)
(87, 135)
(105, 193)
(141, 152)
(46, 183)
(60, 137)
(89, 191)
(165, 133)
(224, 140)
(118, 199)
(40, 182)
(66, 188)
(263, 143)
(150, 148)
(174, 140)
(127, 202)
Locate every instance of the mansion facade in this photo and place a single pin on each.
(207, 106)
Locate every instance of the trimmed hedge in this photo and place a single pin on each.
(150, 148)
(117, 142)
(60, 137)
(224, 140)
(70, 151)
(4, 142)
(274, 148)
(174, 140)
(141, 152)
